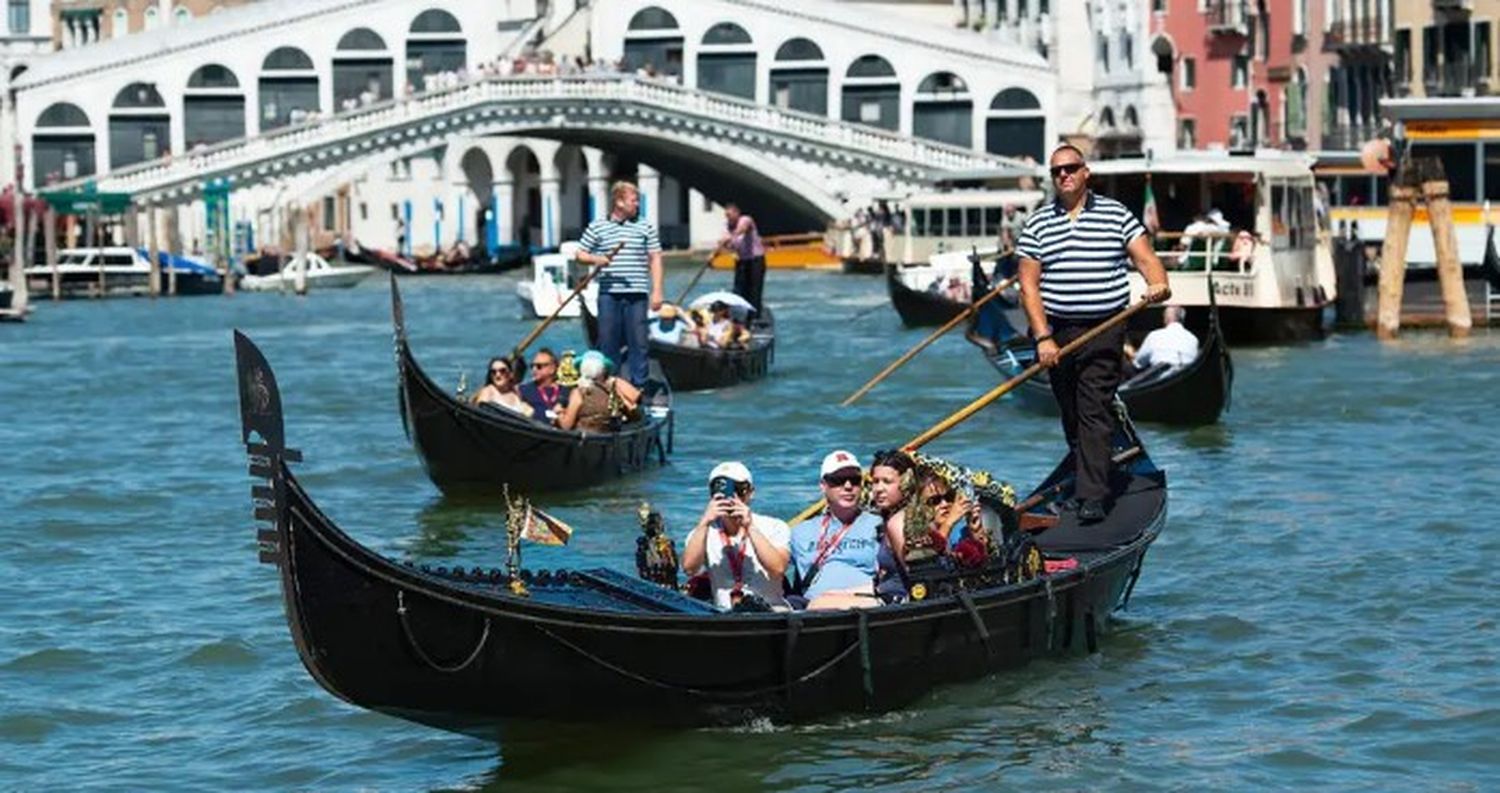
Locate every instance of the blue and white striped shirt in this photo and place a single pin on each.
(1083, 260)
(629, 272)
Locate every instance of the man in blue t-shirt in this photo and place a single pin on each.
(834, 553)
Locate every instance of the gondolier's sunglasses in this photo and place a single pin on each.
(839, 480)
(1066, 169)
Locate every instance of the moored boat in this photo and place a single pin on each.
(317, 272)
(118, 270)
(463, 650)
(465, 447)
(549, 287)
(916, 303)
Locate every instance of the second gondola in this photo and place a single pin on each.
(471, 448)
(694, 368)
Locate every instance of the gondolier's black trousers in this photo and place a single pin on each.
(1084, 385)
(749, 277)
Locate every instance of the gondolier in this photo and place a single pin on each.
(743, 239)
(629, 285)
(1073, 254)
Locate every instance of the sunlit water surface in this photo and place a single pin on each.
(1320, 610)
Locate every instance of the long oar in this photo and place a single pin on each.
(577, 290)
(696, 276)
(925, 343)
(994, 394)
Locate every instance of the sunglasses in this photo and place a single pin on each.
(1066, 169)
(839, 480)
(543, 364)
(499, 370)
(941, 498)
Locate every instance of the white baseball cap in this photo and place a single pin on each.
(838, 461)
(733, 471)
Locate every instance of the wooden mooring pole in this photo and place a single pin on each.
(1450, 270)
(1393, 258)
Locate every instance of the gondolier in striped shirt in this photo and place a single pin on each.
(1073, 255)
(630, 284)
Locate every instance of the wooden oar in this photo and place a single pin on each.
(577, 290)
(998, 391)
(696, 276)
(925, 343)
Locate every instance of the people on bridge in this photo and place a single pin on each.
(547, 397)
(742, 238)
(629, 251)
(1073, 259)
(500, 389)
(834, 554)
(1171, 344)
(744, 553)
(600, 402)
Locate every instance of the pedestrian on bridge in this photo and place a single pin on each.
(743, 238)
(630, 284)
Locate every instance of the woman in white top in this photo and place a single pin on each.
(500, 390)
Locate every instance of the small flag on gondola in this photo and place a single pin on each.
(1149, 215)
(541, 528)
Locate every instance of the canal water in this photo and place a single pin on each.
(1319, 611)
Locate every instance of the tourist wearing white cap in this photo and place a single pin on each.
(834, 554)
(744, 553)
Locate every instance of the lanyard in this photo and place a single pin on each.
(735, 553)
(825, 546)
(549, 401)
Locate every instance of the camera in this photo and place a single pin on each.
(723, 486)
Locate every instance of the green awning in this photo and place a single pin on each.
(85, 200)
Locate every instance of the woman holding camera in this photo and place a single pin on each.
(743, 554)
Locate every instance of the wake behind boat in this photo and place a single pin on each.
(465, 447)
(462, 650)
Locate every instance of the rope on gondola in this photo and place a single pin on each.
(701, 692)
(411, 639)
(967, 601)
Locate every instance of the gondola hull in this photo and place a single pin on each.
(702, 368)
(460, 651)
(1194, 395)
(919, 308)
(468, 448)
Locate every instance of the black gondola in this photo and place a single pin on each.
(457, 649)
(465, 447)
(702, 368)
(1192, 395)
(920, 308)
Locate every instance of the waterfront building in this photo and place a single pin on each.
(78, 23)
(1362, 35)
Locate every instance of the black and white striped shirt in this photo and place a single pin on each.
(629, 272)
(1084, 259)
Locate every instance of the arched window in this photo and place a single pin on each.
(288, 88)
(119, 23)
(726, 64)
(362, 70)
(1132, 121)
(62, 147)
(872, 94)
(213, 107)
(726, 33)
(140, 129)
(943, 111)
(435, 20)
(181, 15)
(1294, 105)
(153, 19)
(435, 45)
(799, 49)
(361, 39)
(1015, 125)
(799, 79)
(652, 18)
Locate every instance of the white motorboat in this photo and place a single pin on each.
(318, 272)
(118, 270)
(550, 284)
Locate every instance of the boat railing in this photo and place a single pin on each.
(1184, 252)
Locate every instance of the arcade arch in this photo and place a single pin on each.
(1015, 126)
(362, 68)
(942, 110)
(799, 78)
(140, 128)
(726, 61)
(288, 87)
(872, 93)
(213, 107)
(653, 39)
(63, 145)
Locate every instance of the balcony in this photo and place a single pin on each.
(1357, 32)
(1463, 77)
(1228, 17)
